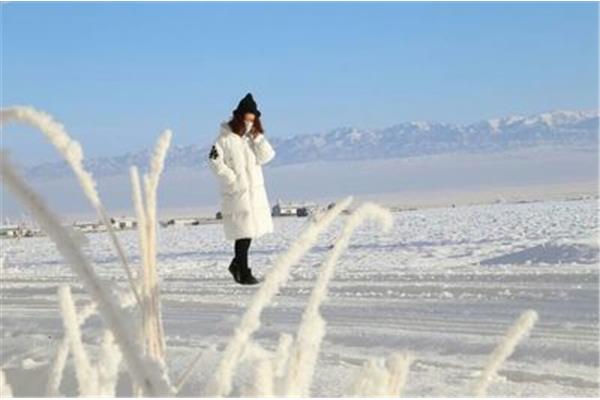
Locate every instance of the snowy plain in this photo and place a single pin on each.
(445, 284)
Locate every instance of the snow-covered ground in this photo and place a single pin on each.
(444, 284)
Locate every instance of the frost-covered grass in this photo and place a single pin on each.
(126, 336)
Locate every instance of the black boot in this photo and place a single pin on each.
(248, 278)
(236, 271)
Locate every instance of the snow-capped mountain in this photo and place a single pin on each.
(557, 128)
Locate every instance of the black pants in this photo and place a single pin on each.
(241, 252)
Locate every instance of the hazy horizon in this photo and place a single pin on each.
(443, 179)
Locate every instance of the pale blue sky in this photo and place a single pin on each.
(116, 74)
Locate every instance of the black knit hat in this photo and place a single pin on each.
(247, 105)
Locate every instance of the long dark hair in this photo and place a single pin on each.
(236, 124)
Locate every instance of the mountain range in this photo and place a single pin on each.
(571, 129)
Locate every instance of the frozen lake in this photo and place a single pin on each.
(444, 284)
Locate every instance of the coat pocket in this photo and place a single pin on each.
(238, 185)
(236, 202)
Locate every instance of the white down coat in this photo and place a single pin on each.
(238, 167)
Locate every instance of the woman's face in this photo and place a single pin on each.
(249, 117)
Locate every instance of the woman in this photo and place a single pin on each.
(236, 158)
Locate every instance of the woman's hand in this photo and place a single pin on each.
(255, 134)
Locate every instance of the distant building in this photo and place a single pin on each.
(33, 232)
(281, 209)
(302, 212)
(11, 231)
(123, 223)
(19, 231)
(86, 226)
(182, 221)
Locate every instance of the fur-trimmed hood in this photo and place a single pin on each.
(225, 129)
